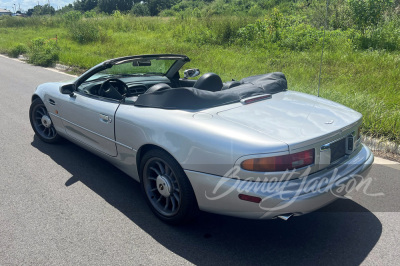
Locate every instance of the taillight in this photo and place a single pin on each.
(250, 198)
(256, 98)
(280, 163)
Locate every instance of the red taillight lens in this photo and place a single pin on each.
(256, 99)
(249, 198)
(280, 163)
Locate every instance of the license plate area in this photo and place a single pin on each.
(338, 150)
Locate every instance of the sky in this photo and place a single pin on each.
(26, 4)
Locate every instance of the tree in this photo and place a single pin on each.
(85, 5)
(367, 13)
(156, 6)
(140, 9)
(29, 12)
(109, 6)
(39, 10)
(66, 9)
(47, 10)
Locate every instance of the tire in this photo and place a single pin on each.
(167, 189)
(41, 122)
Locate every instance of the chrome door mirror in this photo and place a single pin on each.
(191, 73)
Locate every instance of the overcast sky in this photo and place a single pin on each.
(25, 4)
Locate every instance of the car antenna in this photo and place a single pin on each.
(323, 45)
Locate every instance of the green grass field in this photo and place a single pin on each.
(365, 80)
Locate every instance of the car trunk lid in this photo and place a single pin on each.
(295, 118)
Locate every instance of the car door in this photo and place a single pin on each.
(90, 120)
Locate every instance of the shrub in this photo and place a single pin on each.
(367, 13)
(86, 31)
(71, 17)
(211, 30)
(255, 11)
(90, 14)
(279, 31)
(18, 50)
(385, 37)
(166, 13)
(299, 37)
(117, 14)
(43, 52)
(341, 17)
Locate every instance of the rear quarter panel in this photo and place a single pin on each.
(203, 143)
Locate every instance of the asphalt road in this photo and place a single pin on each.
(61, 205)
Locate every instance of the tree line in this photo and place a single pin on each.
(143, 8)
(367, 11)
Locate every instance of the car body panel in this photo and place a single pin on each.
(220, 195)
(187, 137)
(294, 118)
(91, 121)
(209, 143)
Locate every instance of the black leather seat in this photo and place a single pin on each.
(209, 82)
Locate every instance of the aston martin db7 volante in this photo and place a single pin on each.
(248, 148)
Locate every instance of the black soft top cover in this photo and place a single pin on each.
(192, 98)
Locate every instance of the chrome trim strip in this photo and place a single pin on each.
(97, 134)
(125, 146)
(326, 146)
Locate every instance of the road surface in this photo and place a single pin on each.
(61, 205)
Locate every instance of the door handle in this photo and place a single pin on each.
(52, 102)
(105, 118)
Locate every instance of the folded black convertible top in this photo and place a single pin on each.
(192, 98)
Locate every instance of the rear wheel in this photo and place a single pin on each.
(167, 188)
(41, 122)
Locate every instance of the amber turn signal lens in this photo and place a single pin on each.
(280, 163)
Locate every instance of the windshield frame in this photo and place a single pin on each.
(175, 67)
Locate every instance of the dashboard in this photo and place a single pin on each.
(135, 85)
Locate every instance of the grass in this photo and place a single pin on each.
(365, 80)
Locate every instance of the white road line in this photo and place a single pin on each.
(15, 59)
(382, 161)
(387, 163)
(48, 68)
(55, 70)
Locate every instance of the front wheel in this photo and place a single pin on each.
(167, 189)
(41, 122)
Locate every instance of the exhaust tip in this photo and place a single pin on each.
(285, 217)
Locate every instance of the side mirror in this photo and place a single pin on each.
(191, 73)
(68, 89)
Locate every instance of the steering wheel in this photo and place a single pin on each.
(113, 88)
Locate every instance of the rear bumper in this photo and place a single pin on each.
(221, 195)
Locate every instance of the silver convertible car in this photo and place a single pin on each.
(247, 148)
